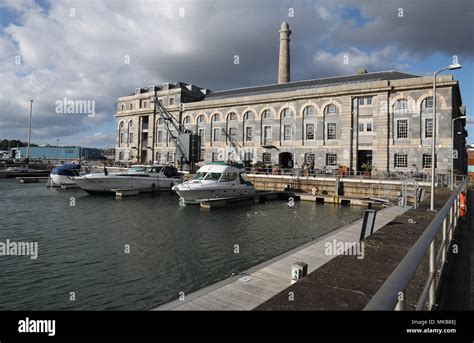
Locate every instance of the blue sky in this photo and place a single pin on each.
(81, 56)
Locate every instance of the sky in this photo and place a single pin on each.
(93, 51)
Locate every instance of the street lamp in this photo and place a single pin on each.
(433, 144)
(57, 149)
(452, 150)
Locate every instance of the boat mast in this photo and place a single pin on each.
(29, 135)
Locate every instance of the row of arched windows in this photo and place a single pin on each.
(265, 114)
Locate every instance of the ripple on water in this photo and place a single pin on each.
(172, 249)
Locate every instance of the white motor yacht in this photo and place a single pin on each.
(158, 178)
(216, 180)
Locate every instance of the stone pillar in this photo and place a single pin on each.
(284, 57)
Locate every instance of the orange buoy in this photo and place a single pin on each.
(462, 204)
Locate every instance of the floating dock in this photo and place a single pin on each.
(32, 179)
(257, 198)
(256, 285)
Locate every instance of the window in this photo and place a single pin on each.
(427, 161)
(169, 157)
(285, 113)
(369, 127)
(248, 134)
(331, 131)
(216, 118)
(267, 135)
(401, 160)
(160, 102)
(227, 177)
(402, 128)
(158, 157)
(122, 107)
(429, 102)
(369, 100)
(131, 106)
(361, 101)
(171, 101)
(267, 158)
(160, 136)
(233, 134)
(309, 158)
(215, 135)
(308, 111)
(309, 131)
(200, 119)
(130, 132)
(287, 133)
(187, 120)
(248, 115)
(170, 137)
(160, 121)
(120, 156)
(267, 114)
(202, 133)
(361, 127)
(428, 127)
(401, 104)
(331, 159)
(232, 116)
(122, 135)
(331, 109)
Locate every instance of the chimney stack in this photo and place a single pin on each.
(284, 57)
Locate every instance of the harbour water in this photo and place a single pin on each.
(139, 252)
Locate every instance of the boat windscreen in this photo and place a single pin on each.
(199, 176)
(213, 176)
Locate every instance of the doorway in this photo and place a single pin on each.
(285, 160)
(364, 159)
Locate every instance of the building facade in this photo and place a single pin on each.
(381, 119)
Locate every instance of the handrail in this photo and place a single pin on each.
(392, 292)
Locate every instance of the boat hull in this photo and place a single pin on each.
(58, 180)
(110, 183)
(196, 196)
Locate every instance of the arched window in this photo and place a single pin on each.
(308, 111)
(428, 103)
(231, 116)
(130, 132)
(122, 134)
(131, 106)
(160, 121)
(401, 105)
(216, 117)
(285, 113)
(201, 119)
(330, 109)
(267, 114)
(187, 120)
(248, 115)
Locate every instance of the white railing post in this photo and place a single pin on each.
(445, 241)
(432, 295)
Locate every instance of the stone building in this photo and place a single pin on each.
(382, 118)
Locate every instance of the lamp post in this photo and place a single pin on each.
(57, 149)
(452, 150)
(433, 144)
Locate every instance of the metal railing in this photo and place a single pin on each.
(442, 179)
(392, 294)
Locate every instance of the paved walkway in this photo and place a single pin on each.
(260, 283)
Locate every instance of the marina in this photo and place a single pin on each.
(81, 248)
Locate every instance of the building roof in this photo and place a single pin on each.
(307, 84)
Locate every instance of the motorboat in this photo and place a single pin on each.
(64, 174)
(215, 180)
(143, 178)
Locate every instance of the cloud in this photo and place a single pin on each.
(351, 61)
(77, 49)
(98, 139)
